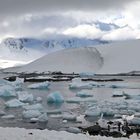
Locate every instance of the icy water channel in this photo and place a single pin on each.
(102, 95)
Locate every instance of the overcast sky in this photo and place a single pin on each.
(33, 18)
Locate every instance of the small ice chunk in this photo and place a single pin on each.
(8, 117)
(39, 99)
(2, 113)
(31, 114)
(56, 116)
(34, 107)
(69, 117)
(7, 91)
(33, 120)
(93, 112)
(55, 97)
(43, 117)
(80, 85)
(74, 130)
(42, 85)
(14, 103)
(118, 94)
(84, 94)
(80, 119)
(25, 97)
(78, 100)
(65, 121)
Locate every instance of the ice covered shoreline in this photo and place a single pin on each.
(34, 134)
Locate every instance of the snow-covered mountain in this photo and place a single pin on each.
(29, 49)
(121, 57)
(24, 44)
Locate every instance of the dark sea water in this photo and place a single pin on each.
(100, 95)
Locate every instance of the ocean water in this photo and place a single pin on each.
(99, 94)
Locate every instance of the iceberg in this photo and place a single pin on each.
(55, 97)
(14, 103)
(3, 82)
(31, 114)
(25, 97)
(42, 85)
(18, 83)
(43, 117)
(84, 94)
(7, 91)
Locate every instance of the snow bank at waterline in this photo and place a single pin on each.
(28, 134)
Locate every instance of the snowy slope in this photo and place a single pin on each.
(120, 57)
(67, 60)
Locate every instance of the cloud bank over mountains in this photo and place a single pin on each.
(45, 18)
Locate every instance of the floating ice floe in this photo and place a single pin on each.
(124, 85)
(42, 85)
(8, 117)
(7, 91)
(14, 103)
(43, 117)
(55, 97)
(79, 100)
(118, 93)
(69, 117)
(86, 74)
(134, 121)
(84, 94)
(25, 97)
(78, 84)
(82, 85)
(34, 107)
(31, 114)
(57, 111)
(74, 130)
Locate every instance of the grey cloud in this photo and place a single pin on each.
(14, 7)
